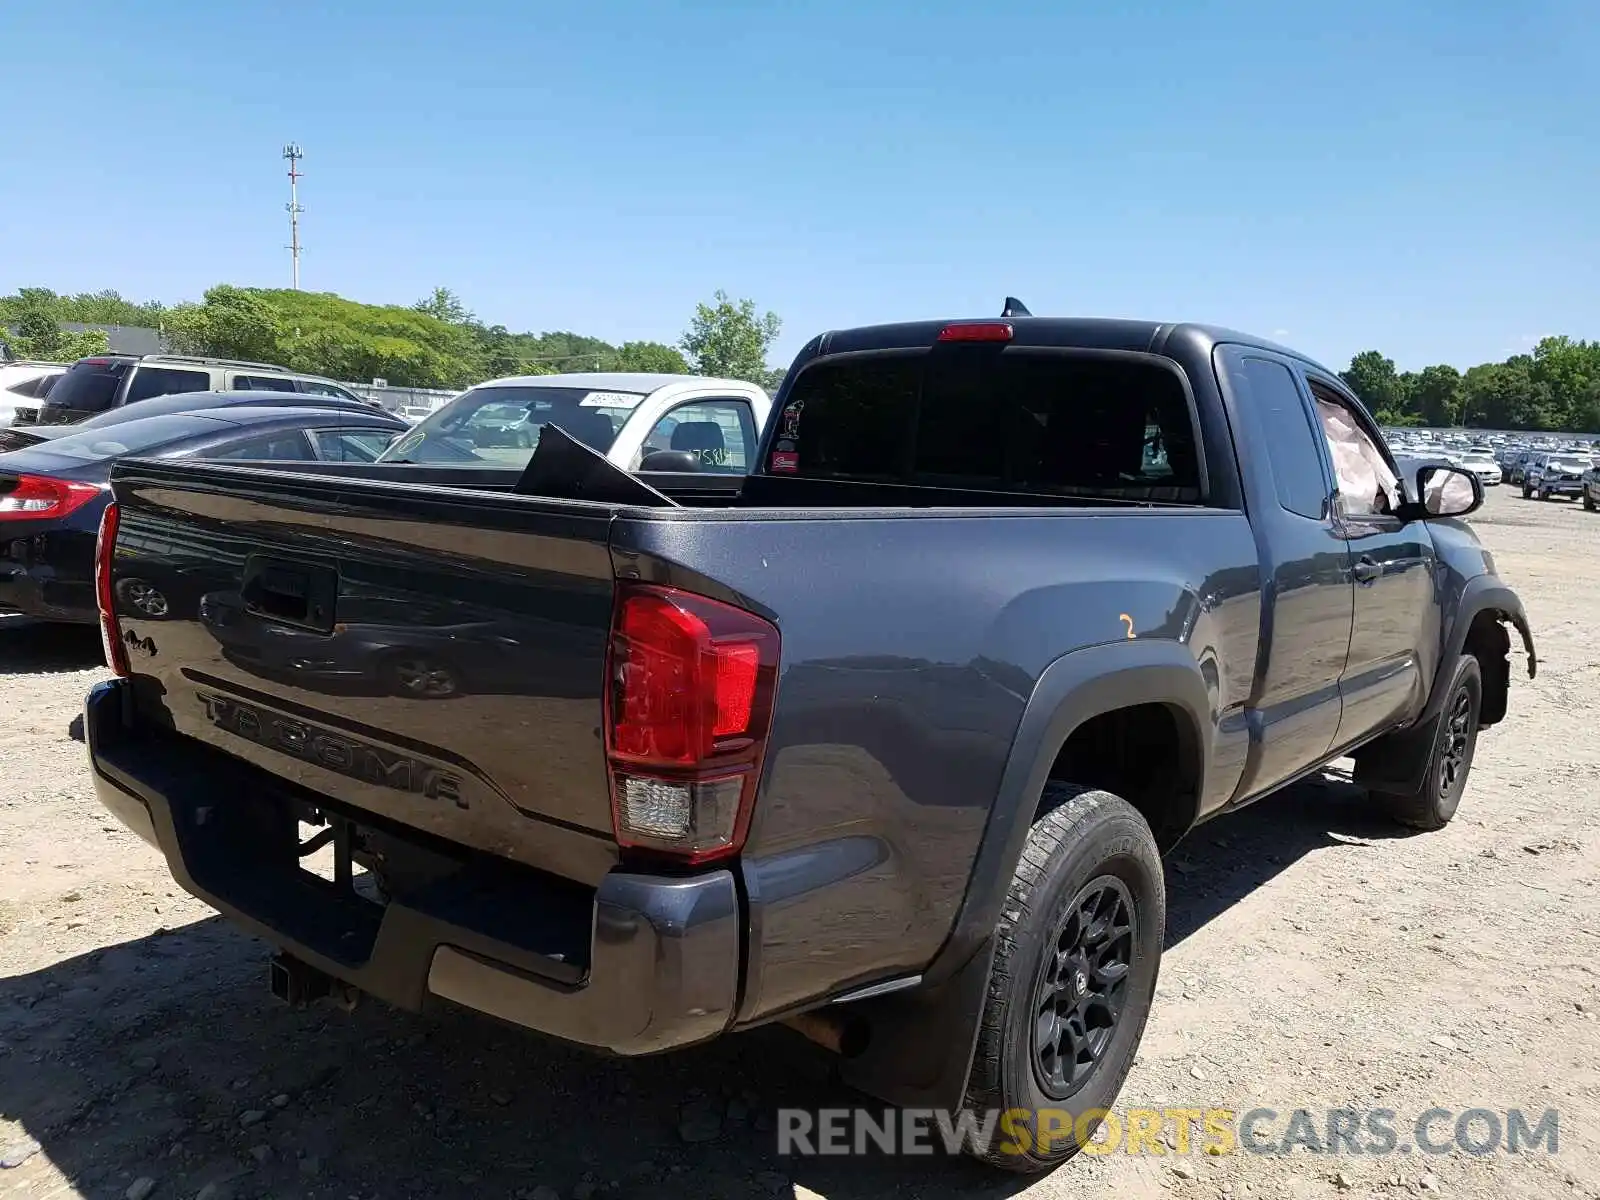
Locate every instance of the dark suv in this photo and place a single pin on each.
(106, 381)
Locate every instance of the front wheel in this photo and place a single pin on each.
(1074, 975)
(1527, 492)
(1588, 501)
(1455, 741)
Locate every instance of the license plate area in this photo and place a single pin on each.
(327, 848)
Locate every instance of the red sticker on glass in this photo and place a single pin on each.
(785, 462)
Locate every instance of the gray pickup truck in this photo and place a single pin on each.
(884, 740)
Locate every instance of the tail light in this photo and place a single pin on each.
(38, 496)
(110, 628)
(690, 684)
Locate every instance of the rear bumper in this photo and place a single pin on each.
(47, 567)
(663, 953)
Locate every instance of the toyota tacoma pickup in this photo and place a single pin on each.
(883, 739)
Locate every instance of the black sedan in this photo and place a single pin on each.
(52, 493)
(21, 436)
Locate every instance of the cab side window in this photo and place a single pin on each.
(721, 434)
(1268, 388)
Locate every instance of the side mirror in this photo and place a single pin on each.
(1447, 492)
(677, 461)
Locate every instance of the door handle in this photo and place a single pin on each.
(1366, 570)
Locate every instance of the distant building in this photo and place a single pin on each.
(120, 339)
(123, 339)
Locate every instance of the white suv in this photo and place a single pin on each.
(21, 386)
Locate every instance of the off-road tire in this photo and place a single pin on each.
(1087, 839)
(1455, 742)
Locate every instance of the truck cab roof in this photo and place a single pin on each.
(1087, 333)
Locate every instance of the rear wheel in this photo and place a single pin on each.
(1076, 957)
(1455, 742)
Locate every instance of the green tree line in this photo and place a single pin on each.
(1556, 387)
(435, 343)
(438, 342)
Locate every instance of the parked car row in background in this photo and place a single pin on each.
(1543, 466)
(56, 454)
(93, 385)
(53, 478)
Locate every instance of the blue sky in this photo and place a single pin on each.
(1417, 175)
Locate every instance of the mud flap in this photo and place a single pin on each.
(920, 1046)
(1398, 762)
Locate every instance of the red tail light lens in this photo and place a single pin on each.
(110, 628)
(977, 331)
(688, 709)
(36, 497)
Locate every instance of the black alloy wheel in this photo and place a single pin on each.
(1082, 986)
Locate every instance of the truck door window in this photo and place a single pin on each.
(720, 433)
(1267, 388)
(1368, 485)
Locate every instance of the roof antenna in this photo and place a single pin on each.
(1015, 308)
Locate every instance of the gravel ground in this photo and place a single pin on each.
(1317, 958)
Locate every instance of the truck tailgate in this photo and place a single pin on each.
(433, 657)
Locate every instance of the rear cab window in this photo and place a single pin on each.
(500, 425)
(1019, 419)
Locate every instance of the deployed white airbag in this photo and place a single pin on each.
(1366, 484)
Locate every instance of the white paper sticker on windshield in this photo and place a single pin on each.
(610, 400)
